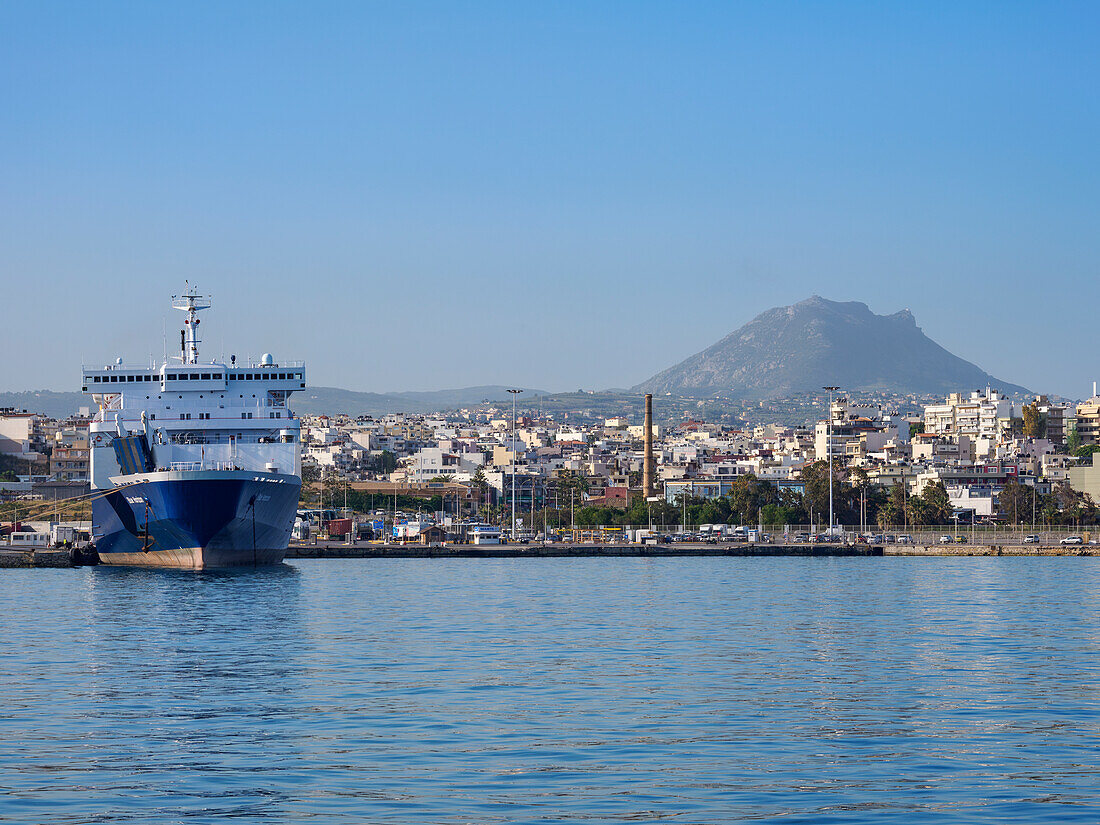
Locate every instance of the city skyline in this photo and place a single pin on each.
(426, 198)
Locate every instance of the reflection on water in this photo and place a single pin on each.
(595, 690)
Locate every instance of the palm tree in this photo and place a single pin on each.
(480, 485)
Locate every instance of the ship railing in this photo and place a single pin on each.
(191, 466)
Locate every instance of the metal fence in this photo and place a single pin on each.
(999, 535)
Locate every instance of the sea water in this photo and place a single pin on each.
(689, 690)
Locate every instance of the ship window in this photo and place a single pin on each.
(114, 378)
(243, 415)
(171, 376)
(152, 416)
(206, 376)
(95, 378)
(181, 416)
(194, 376)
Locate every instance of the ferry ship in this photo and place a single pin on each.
(194, 464)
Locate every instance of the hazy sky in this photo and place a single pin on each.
(558, 195)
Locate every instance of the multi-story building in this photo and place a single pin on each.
(23, 434)
(1055, 417)
(985, 415)
(857, 429)
(69, 460)
(1088, 420)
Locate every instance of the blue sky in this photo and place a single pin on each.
(561, 195)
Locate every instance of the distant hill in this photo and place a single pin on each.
(316, 400)
(310, 401)
(799, 348)
(47, 402)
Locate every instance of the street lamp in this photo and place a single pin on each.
(514, 393)
(829, 451)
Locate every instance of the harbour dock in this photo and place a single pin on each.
(61, 557)
(336, 550)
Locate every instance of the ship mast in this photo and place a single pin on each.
(190, 302)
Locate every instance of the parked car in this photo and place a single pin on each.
(905, 538)
(1032, 539)
(946, 539)
(960, 539)
(1073, 540)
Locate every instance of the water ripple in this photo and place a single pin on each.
(554, 690)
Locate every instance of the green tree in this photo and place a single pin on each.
(480, 486)
(389, 462)
(915, 427)
(815, 481)
(892, 510)
(748, 495)
(1073, 441)
(1014, 501)
(1074, 506)
(1033, 423)
(932, 506)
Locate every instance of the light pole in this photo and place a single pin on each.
(829, 451)
(512, 532)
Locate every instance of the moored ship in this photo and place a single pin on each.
(194, 464)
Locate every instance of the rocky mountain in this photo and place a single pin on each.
(817, 342)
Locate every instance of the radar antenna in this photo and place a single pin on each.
(190, 302)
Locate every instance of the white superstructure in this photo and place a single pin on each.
(197, 415)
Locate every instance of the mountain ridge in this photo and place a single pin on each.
(798, 348)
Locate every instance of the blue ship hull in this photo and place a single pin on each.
(196, 519)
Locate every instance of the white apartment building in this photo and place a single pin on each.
(432, 462)
(980, 416)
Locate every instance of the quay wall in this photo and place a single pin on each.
(69, 558)
(379, 551)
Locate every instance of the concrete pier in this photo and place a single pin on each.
(69, 558)
(415, 551)
(53, 557)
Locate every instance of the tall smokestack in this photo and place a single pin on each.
(647, 461)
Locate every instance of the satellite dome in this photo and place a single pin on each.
(267, 360)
